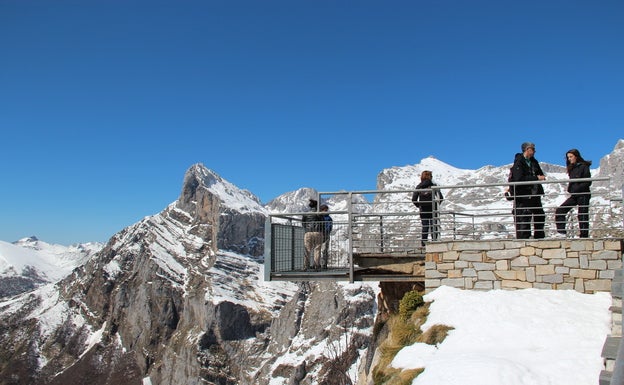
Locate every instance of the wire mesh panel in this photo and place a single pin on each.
(287, 247)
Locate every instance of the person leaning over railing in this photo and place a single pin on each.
(528, 197)
(313, 237)
(577, 168)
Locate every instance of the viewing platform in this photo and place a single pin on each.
(376, 235)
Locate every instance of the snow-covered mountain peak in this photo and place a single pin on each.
(442, 172)
(27, 240)
(77, 249)
(292, 201)
(30, 262)
(230, 196)
(409, 176)
(433, 163)
(612, 166)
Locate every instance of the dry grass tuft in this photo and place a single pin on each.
(435, 334)
(406, 377)
(404, 332)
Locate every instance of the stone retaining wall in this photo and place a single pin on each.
(587, 266)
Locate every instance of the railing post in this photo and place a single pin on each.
(293, 243)
(474, 229)
(350, 237)
(381, 233)
(268, 249)
(617, 377)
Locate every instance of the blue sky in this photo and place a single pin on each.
(104, 105)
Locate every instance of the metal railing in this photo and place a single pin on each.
(390, 224)
(287, 247)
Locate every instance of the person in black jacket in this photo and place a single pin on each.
(328, 224)
(528, 197)
(312, 223)
(577, 168)
(427, 200)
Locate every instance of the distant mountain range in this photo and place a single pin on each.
(29, 262)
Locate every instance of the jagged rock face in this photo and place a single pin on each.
(239, 229)
(293, 201)
(243, 234)
(201, 206)
(337, 319)
(612, 166)
(161, 301)
(14, 285)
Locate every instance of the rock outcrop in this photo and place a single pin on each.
(612, 165)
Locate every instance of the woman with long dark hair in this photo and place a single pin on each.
(427, 200)
(578, 168)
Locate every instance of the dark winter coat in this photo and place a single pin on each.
(579, 170)
(328, 224)
(424, 199)
(312, 222)
(523, 172)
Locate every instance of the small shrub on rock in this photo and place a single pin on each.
(409, 303)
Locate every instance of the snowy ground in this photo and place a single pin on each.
(536, 337)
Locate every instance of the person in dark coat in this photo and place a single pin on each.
(312, 223)
(328, 224)
(528, 197)
(577, 168)
(428, 200)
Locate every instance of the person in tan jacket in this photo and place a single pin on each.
(313, 237)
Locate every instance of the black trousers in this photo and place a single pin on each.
(430, 225)
(529, 210)
(582, 201)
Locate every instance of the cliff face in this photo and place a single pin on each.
(177, 298)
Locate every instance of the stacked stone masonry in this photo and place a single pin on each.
(587, 266)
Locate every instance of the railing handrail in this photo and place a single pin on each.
(288, 215)
(445, 187)
(295, 215)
